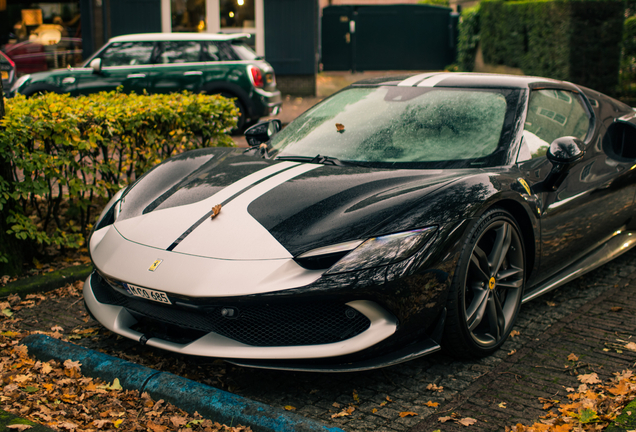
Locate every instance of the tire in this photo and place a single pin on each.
(486, 291)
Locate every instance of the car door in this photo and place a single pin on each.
(594, 200)
(125, 64)
(178, 67)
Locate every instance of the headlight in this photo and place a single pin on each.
(19, 82)
(110, 212)
(374, 252)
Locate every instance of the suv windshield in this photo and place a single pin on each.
(408, 126)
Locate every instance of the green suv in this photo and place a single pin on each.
(170, 62)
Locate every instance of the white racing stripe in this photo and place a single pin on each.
(434, 80)
(409, 82)
(234, 234)
(160, 228)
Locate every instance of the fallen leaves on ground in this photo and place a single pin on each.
(407, 414)
(591, 407)
(435, 388)
(57, 395)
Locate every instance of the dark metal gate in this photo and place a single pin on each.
(391, 37)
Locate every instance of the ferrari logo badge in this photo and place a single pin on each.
(491, 283)
(155, 264)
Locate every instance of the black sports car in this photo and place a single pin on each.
(398, 216)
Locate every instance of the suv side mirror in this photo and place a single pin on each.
(261, 132)
(96, 65)
(563, 153)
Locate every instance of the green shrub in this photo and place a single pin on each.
(468, 39)
(577, 41)
(68, 155)
(628, 62)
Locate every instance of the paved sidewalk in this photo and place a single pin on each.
(541, 369)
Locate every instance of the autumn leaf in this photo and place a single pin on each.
(444, 419)
(114, 386)
(19, 427)
(7, 312)
(155, 427)
(215, 211)
(502, 405)
(432, 404)
(407, 414)
(631, 346)
(550, 303)
(100, 423)
(57, 328)
(467, 421)
(340, 127)
(435, 388)
(181, 421)
(346, 412)
(116, 423)
(355, 396)
(290, 408)
(589, 378)
(573, 357)
(512, 352)
(616, 309)
(374, 410)
(514, 333)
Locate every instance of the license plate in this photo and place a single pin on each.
(149, 294)
(4, 74)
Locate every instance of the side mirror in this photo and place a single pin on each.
(262, 132)
(96, 65)
(563, 153)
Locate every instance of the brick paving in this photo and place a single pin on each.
(575, 318)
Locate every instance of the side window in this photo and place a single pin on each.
(180, 52)
(219, 51)
(553, 114)
(127, 54)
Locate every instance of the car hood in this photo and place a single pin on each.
(224, 204)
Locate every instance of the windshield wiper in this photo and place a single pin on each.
(325, 160)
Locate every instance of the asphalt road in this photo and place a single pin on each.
(380, 396)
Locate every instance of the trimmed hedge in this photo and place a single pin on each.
(468, 39)
(67, 155)
(577, 41)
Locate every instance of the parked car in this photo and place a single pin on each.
(42, 53)
(7, 71)
(396, 217)
(170, 62)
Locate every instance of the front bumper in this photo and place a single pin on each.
(123, 316)
(267, 103)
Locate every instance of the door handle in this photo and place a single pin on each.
(192, 73)
(137, 75)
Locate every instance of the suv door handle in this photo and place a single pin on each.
(191, 73)
(137, 75)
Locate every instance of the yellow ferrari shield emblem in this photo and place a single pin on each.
(155, 264)
(491, 283)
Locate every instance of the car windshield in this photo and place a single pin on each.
(408, 126)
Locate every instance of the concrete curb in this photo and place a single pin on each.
(46, 282)
(218, 405)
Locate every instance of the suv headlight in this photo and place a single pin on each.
(374, 252)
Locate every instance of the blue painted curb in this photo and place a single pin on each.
(190, 396)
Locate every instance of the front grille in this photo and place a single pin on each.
(309, 323)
